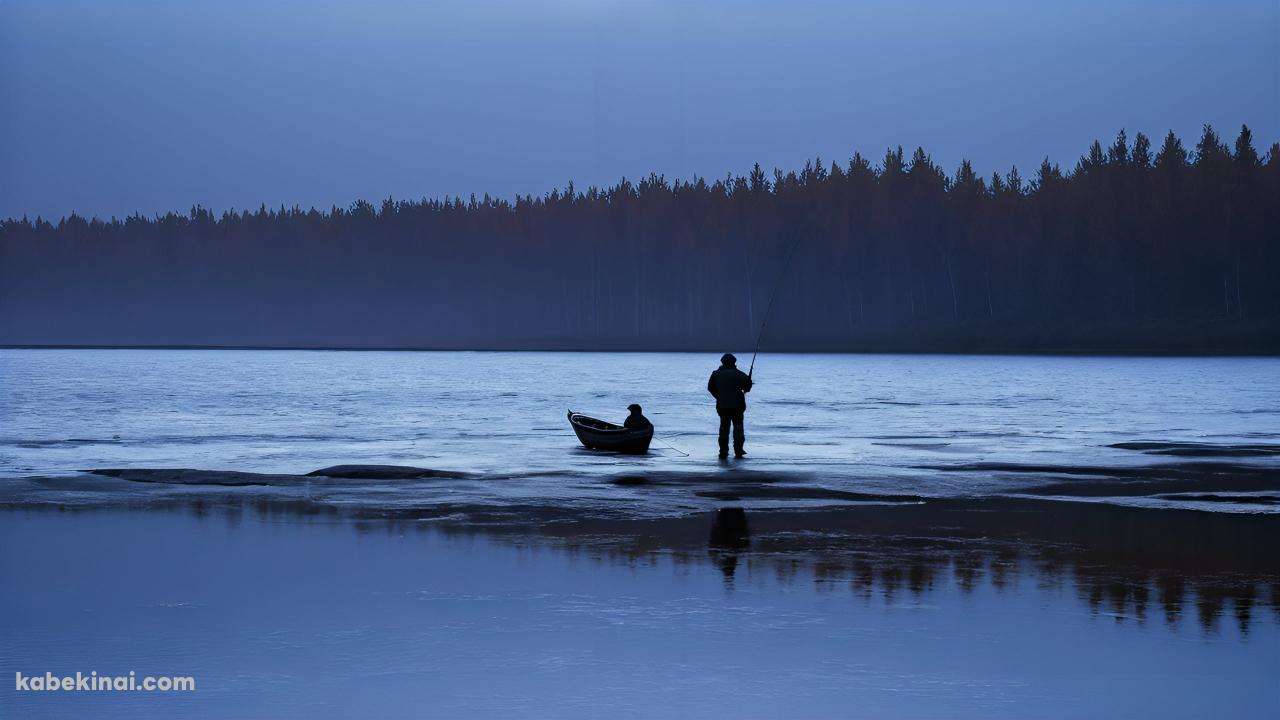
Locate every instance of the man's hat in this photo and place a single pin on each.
(728, 359)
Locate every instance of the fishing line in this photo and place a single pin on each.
(769, 308)
(673, 447)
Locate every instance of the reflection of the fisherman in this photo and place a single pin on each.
(729, 537)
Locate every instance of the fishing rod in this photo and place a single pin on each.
(769, 308)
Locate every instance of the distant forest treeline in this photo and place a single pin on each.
(1134, 249)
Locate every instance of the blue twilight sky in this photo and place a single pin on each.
(108, 108)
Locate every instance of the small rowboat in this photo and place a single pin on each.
(598, 434)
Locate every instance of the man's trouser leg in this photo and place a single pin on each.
(739, 435)
(726, 417)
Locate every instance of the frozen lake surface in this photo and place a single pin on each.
(912, 536)
(933, 426)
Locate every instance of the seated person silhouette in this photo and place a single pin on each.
(636, 421)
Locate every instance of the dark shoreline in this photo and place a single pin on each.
(1186, 478)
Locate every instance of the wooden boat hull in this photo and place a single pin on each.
(597, 434)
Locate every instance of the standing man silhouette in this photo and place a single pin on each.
(729, 386)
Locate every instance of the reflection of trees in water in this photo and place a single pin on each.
(1121, 562)
(889, 571)
(1129, 564)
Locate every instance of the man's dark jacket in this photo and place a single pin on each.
(729, 384)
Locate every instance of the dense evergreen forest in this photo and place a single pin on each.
(1135, 249)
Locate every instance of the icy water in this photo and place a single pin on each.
(297, 617)
(937, 426)
(915, 536)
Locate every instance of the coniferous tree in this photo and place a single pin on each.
(1131, 250)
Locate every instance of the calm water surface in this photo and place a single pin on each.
(299, 618)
